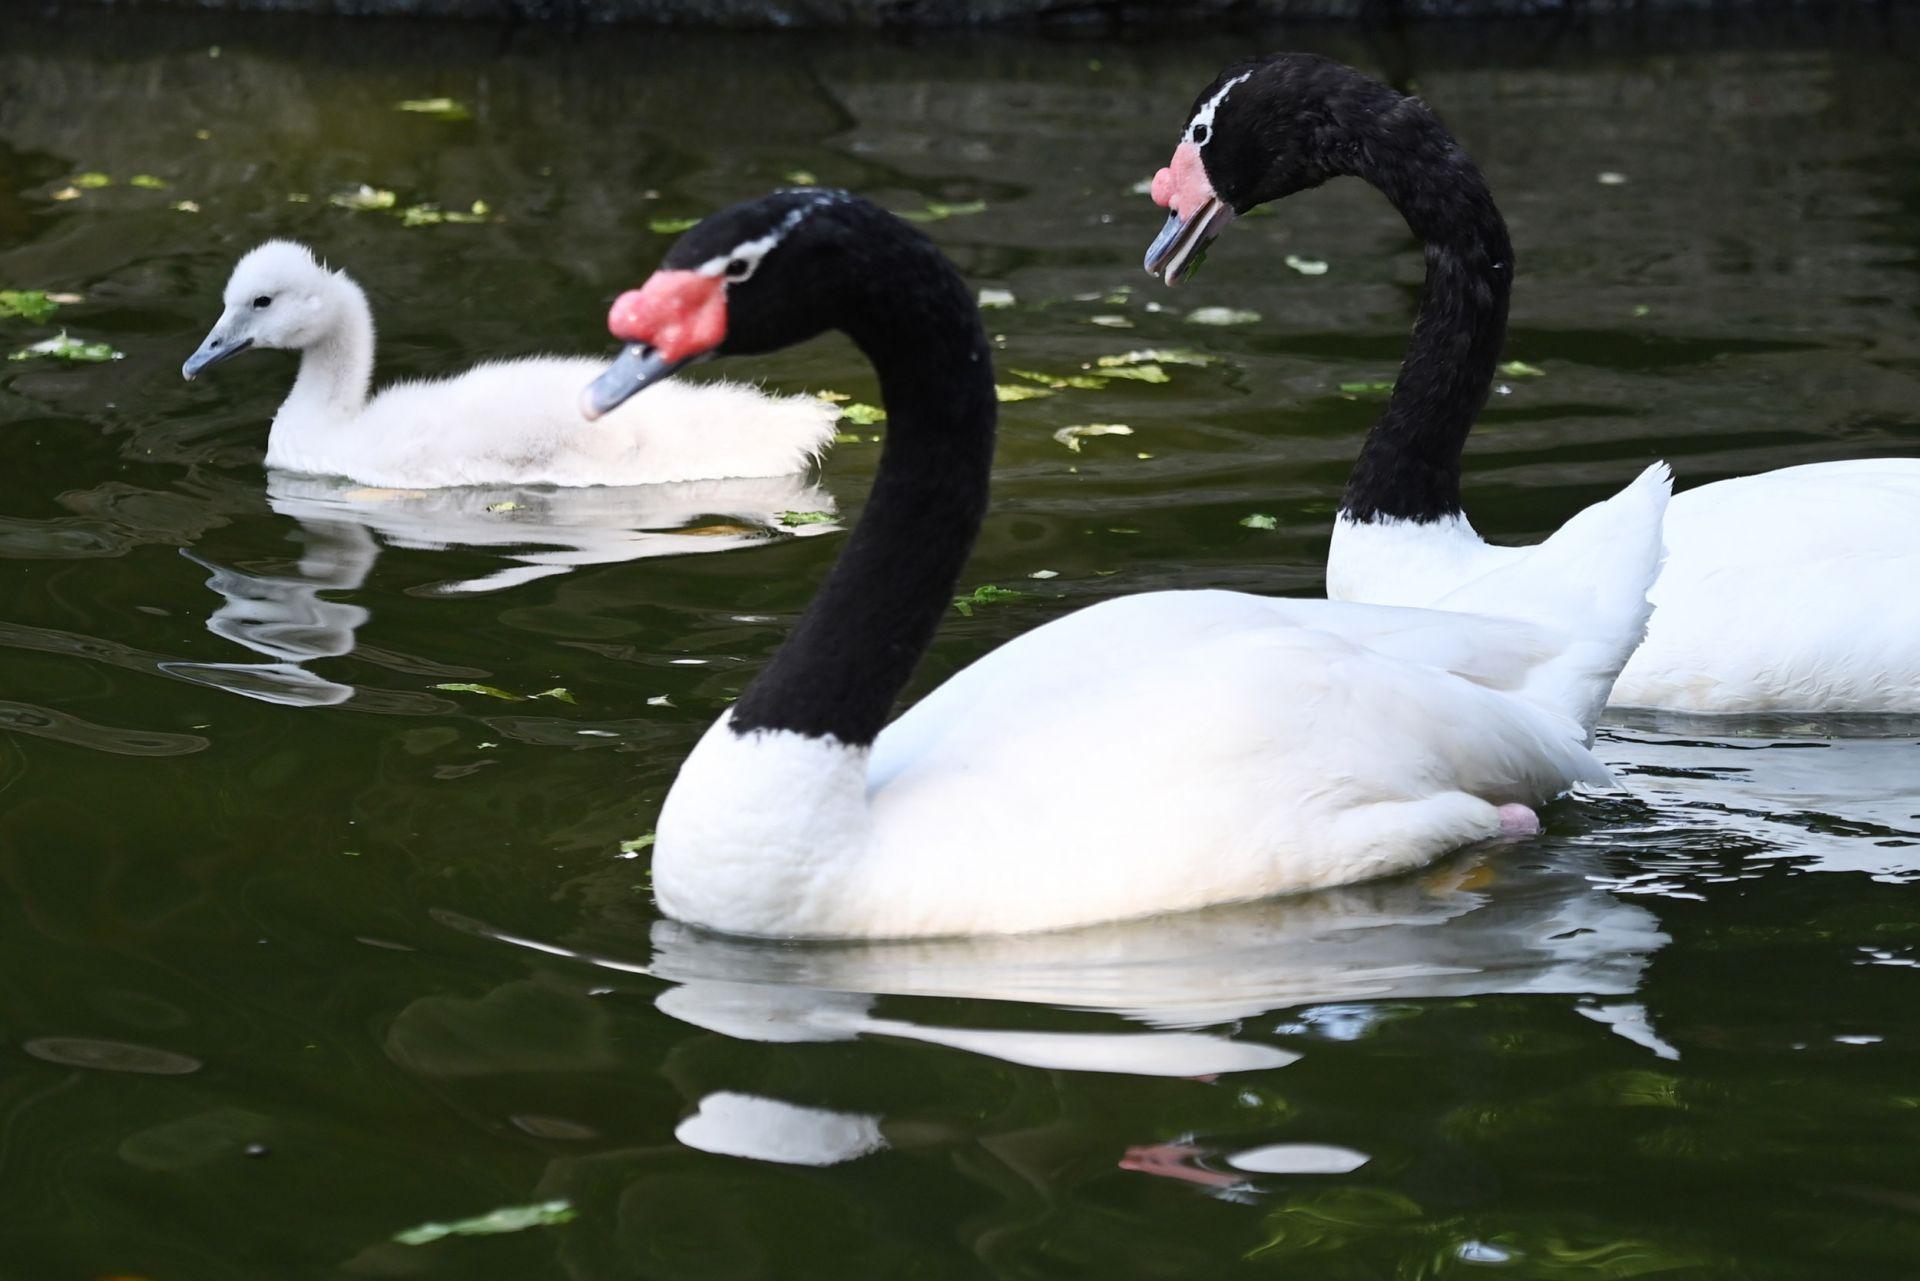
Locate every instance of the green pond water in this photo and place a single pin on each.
(300, 949)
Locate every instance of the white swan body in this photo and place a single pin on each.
(1149, 754)
(1159, 752)
(1789, 591)
(502, 422)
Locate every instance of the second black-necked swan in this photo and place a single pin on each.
(507, 422)
(1789, 591)
(1151, 753)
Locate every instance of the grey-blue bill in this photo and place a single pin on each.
(637, 367)
(1177, 251)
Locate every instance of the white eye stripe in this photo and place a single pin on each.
(1203, 118)
(749, 253)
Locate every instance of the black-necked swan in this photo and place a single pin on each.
(503, 422)
(1790, 591)
(1148, 754)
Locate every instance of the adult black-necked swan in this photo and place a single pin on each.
(1151, 753)
(1790, 591)
(503, 422)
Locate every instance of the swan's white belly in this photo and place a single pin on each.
(1150, 754)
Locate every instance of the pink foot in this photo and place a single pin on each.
(1518, 820)
(1174, 1161)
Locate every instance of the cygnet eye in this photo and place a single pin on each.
(1200, 135)
(738, 269)
(264, 300)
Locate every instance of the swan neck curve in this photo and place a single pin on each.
(1409, 466)
(857, 643)
(336, 368)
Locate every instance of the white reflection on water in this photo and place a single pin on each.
(1200, 983)
(1771, 792)
(728, 1123)
(540, 532)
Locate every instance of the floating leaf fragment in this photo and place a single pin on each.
(671, 226)
(505, 505)
(185, 206)
(1222, 316)
(936, 211)
(29, 304)
(802, 178)
(1155, 356)
(833, 397)
(1353, 391)
(362, 197)
(1521, 369)
(1140, 373)
(491, 691)
(441, 108)
(1259, 520)
(638, 843)
(862, 415)
(67, 193)
(91, 181)
(71, 349)
(512, 1218)
(1006, 392)
(1080, 382)
(427, 215)
(560, 692)
(1306, 266)
(1044, 573)
(985, 595)
(846, 438)
(795, 519)
(1073, 437)
(148, 182)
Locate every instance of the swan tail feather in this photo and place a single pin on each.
(1589, 583)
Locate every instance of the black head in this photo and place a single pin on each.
(1264, 130)
(752, 278)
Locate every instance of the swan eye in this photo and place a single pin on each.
(263, 301)
(1200, 135)
(738, 269)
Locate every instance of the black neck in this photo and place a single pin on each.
(854, 649)
(1409, 467)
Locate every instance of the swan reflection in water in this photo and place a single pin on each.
(1730, 800)
(540, 532)
(1201, 995)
